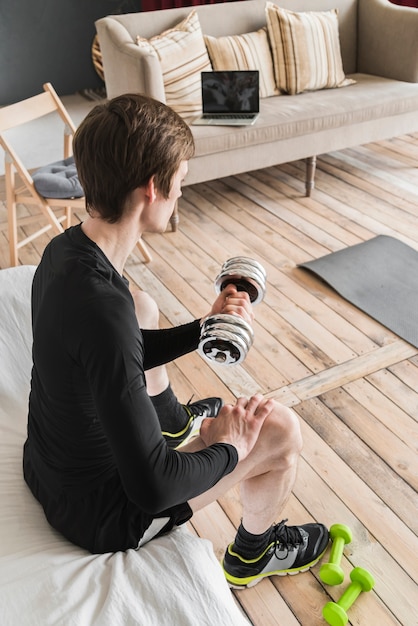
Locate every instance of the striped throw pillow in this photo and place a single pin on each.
(250, 51)
(305, 49)
(182, 54)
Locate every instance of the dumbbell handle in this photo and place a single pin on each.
(350, 595)
(337, 550)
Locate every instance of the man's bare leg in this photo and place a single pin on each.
(262, 548)
(266, 476)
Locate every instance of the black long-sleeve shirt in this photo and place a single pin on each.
(90, 417)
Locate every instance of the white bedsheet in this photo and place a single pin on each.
(172, 581)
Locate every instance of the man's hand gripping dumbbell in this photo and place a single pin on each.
(227, 332)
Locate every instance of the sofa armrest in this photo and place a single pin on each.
(127, 68)
(388, 40)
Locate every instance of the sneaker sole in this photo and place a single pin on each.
(251, 581)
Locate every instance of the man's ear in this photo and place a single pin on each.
(150, 190)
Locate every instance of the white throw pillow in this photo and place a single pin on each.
(306, 49)
(250, 51)
(183, 56)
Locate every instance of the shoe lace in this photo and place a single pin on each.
(196, 410)
(285, 537)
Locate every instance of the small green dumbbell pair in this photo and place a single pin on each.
(331, 573)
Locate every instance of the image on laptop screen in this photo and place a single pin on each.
(230, 96)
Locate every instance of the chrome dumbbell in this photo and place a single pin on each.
(226, 339)
(246, 274)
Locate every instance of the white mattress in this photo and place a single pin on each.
(172, 581)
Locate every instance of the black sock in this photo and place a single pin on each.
(172, 415)
(251, 546)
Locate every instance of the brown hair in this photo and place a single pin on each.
(121, 144)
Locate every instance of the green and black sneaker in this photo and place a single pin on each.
(197, 412)
(292, 549)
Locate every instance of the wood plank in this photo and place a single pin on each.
(341, 374)
(285, 242)
(372, 393)
(319, 210)
(288, 213)
(398, 455)
(380, 216)
(363, 460)
(406, 371)
(269, 186)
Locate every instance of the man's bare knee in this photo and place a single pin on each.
(146, 309)
(283, 434)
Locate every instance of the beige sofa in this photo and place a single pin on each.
(379, 49)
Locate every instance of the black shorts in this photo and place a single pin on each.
(103, 520)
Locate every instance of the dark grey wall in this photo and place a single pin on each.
(50, 41)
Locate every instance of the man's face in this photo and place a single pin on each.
(158, 213)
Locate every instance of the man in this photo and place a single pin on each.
(101, 454)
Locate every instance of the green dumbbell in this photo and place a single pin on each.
(335, 613)
(331, 573)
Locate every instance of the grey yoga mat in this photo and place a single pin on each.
(380, 277)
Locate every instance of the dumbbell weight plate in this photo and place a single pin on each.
(225, 339)
(235, 325)
(224, 348)
(230, 321)
(227, 334)
(246, 261)
(247, 274)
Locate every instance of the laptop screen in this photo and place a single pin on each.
(230, 92)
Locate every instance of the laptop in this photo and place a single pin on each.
(229, 98)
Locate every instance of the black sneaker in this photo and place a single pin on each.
(197, 411)
(292, 549)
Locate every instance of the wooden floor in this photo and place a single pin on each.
(353, 383)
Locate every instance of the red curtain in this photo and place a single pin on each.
(406, 3)
(153, 5)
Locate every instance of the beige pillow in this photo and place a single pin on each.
(182, 54)
(305, 49)
(250, 51)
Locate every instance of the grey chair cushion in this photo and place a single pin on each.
(58, 180)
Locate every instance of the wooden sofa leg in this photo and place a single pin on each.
(310, 175)
(174, 219)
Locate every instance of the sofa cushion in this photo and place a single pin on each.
(183, 56)
(337, 111)
(250, 51)
(306, 49)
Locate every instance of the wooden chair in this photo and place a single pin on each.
(21, 188)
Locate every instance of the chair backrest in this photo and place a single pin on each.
(33, 108)
(23, 190)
